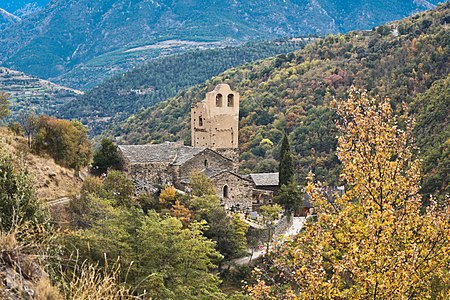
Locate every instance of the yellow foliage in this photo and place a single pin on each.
(377, 241)
(168, 195)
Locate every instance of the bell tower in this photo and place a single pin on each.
(215, 120)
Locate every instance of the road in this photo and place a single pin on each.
(297, 225)
(60, 201)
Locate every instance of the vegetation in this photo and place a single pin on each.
(104, 40)
(286, 169)
(376, 241)
(4, 105)
(65, 141)
(294, 91)
(105, 157)
(157, 80)
(18, 202)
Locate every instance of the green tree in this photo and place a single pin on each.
(66, 141)
(201, 185)
(105, 157)
(4, 105)
(120, 188)
(163, 258)
(286, 168)
(18, 203)
(290, 197)
(270, 214)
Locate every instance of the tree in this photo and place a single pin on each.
(270, 214)
(201, 185)
(18, 203)
(105, 157)
(290, 197)
(66, 141)
(286, 168)
(120, 188)
(377, 241)
(4, 105)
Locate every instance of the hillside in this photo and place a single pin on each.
(83, 34)
(28, 93)
(401, 60)
(158, 80)
(22, 8)
(51, 180)
(7, 19)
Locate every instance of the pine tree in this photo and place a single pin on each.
(286, 168)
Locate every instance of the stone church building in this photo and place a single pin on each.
(214, 151)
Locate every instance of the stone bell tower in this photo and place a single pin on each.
(215, 121)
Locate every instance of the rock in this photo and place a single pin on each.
(51, 174)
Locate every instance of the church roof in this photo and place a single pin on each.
(172, 153)
(265, 179)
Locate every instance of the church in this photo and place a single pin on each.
(214, 152)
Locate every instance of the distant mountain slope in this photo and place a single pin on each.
(22, 7)
(292, 92)
(69, 33)
(7, 19)
(28, 93)
(158, 80)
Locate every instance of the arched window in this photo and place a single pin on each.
(219, 100)
(230, 100)
(225, 191)
(206, 163)
(200, 121)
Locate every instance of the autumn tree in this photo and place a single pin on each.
(377, 241)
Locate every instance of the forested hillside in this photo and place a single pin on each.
(402, 60)
(82, 35)
(145, 86)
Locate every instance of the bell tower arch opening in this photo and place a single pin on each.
(230, 102)
(219, 99)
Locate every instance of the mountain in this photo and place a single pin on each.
(122, 95)
(7, 19)
(28, 93)
(73, 34)
(407, 61)
(23, 7)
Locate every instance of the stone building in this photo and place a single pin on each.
(214, 151)
(215, 121)
(169, 163)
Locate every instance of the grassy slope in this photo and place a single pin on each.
(294, 91)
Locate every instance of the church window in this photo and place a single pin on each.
(206, 163)
(225, 191)
(230, 100)
(200, 121)
(219, 100)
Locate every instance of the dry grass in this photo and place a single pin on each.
(51, 180)
(89, 282)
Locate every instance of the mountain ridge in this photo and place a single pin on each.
(67, 34)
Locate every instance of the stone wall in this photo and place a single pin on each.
(239, 190)
(205, 160)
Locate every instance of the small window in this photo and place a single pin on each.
(200, 121)
(219, 100)
(230, 100)
(206, 163)
(225, 191)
